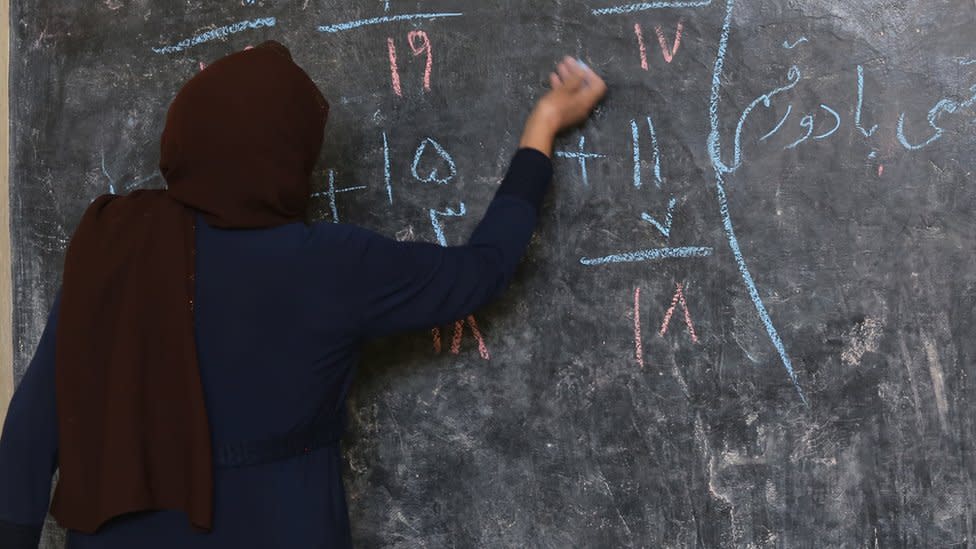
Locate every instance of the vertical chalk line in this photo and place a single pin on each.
(394, 71)
(640, 45)
(638, 344)
(723, 204)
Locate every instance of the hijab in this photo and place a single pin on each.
(240, 142)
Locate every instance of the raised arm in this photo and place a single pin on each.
(410, 285)
(29, 447)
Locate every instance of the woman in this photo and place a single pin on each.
(191, 380)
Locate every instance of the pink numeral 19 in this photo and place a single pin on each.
(419, 44)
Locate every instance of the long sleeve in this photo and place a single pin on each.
(28, 447)
(416, 285)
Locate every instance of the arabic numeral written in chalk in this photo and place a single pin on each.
(419, 42)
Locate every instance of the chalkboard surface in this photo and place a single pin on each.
(746, 319)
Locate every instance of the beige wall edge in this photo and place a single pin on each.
(6, 265)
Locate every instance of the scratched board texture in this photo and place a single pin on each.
(746, 319)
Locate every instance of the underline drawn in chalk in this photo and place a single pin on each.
(349, 25)
(219, 32)
(799, 41)
(720, 169)
(644, 6)
(649, 255)
(582, 156)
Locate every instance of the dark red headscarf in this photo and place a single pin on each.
(240, 143)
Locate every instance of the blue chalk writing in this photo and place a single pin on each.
(665, 229)
(331, 192)
(972, 99)
(386, 169)
(836, 116)
(648, 255)
(384, 19)
(656, 151)
(126, 187)
(136, 182)
(789, 110)
(111, 181)
(799, 41)
(435, 221)
(635, 140)
(386, 5)
(433, 176)
(582, 156)
(860, 104)
(217, 33)
(714, 149)
(643, 6)
(946, 105)
(793, 76)
(805, 122)
(967, 62)
(873, 154)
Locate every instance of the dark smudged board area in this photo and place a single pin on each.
(746, 319)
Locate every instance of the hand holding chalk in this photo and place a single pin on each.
(576, 90)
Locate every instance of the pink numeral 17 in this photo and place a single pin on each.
(419, 44)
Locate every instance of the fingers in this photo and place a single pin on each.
(554, 81)
(564, 70)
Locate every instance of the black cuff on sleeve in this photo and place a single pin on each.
(528, 176)
(19, 536)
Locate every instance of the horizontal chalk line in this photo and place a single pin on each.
(217, 33)
(631, 8)
(385, 19)
(649, 255)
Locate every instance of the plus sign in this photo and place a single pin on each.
(581, 155)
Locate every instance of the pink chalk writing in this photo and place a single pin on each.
(394, 72)
(679, 298)
(669, 52)
(640, 44)
(436, 332)
(459, 335)
(420, 48)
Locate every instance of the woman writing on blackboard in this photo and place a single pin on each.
(190, 383)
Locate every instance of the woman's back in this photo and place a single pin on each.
(278, 317)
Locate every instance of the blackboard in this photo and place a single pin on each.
(746, 319)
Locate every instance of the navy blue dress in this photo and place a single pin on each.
(281, 315)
